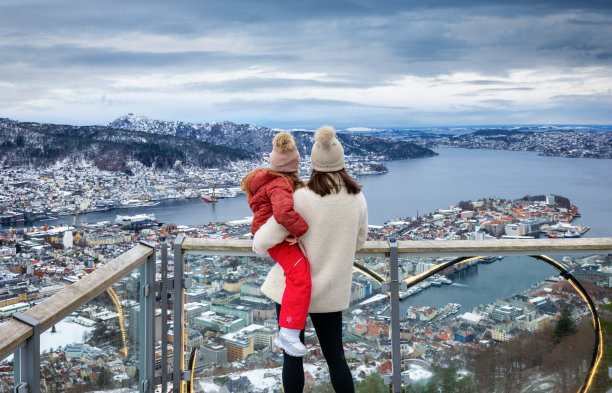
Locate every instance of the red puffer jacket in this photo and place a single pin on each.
(271, 194)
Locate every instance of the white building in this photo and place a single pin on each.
(67, 240)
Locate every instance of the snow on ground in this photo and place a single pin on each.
(266, 380)
(375, 298)
(417, 372)
(67, 332)
(269, 380)
(243, 221)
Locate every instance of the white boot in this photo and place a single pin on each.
(289, 341)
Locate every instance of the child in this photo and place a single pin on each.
(270, 193)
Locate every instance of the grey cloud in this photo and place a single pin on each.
(497, 103)
(260, 84)
(72, 56)
(484, 82)
(314, 112)
(301, 103)
(421, 38)
(354, 43)
(478, 92)
(504, 89)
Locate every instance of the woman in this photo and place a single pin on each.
(336, 212)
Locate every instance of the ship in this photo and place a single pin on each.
(212, 198)
(137, 221)
(563, 230)
(208, 200)
(137, 203)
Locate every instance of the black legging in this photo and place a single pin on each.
(329, 331)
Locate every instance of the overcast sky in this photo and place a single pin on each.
(300, 64)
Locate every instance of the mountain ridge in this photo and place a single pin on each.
(258, 139)
(40, 144)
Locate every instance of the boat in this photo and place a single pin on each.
(445, 280)
(554, 234)
(212, 198)
(581, 228)
(208, 200)
(488, 259)
(571, 234)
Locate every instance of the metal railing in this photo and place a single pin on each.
(467, 250)
(21, 334)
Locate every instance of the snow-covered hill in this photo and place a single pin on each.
(242, 136)
(259, 139)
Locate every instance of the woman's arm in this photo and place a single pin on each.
(362, 234)
(268, 235)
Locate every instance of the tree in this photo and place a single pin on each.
(105, 378)
(565, 325)
(373, 383)
(463, 205)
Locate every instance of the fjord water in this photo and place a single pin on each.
(427, 184)
(462, 174)
(432, 183)
(454, 175)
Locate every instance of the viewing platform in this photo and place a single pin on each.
(153, 280)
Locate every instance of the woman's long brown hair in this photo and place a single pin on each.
(324, 183)
(292, 178)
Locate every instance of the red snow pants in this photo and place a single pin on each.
(298, 285)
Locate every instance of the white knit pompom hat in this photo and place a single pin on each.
(327, 152)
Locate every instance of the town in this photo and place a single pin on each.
(563, 143)
(30, 195)
(227, 317)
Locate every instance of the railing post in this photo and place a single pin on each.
(164, 319)
(27, 359)
(177, 305)
(146, 323)
(396, 355)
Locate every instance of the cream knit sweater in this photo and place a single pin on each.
(337, 227)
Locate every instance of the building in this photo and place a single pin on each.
(263, 307)
(13, 308)
(241, 344)
(251, 287)
(594, 276)
(243, 312)
(219, 322)
(233, 284)
(506, 313)
(214, 354)
(238, 347)
(501, 333)
(464, 335)
(193, 310)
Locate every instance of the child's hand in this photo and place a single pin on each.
(291, 240)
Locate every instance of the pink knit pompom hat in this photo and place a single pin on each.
(284, 156)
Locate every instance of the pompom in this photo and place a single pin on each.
(284, 142)
(325, 135)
